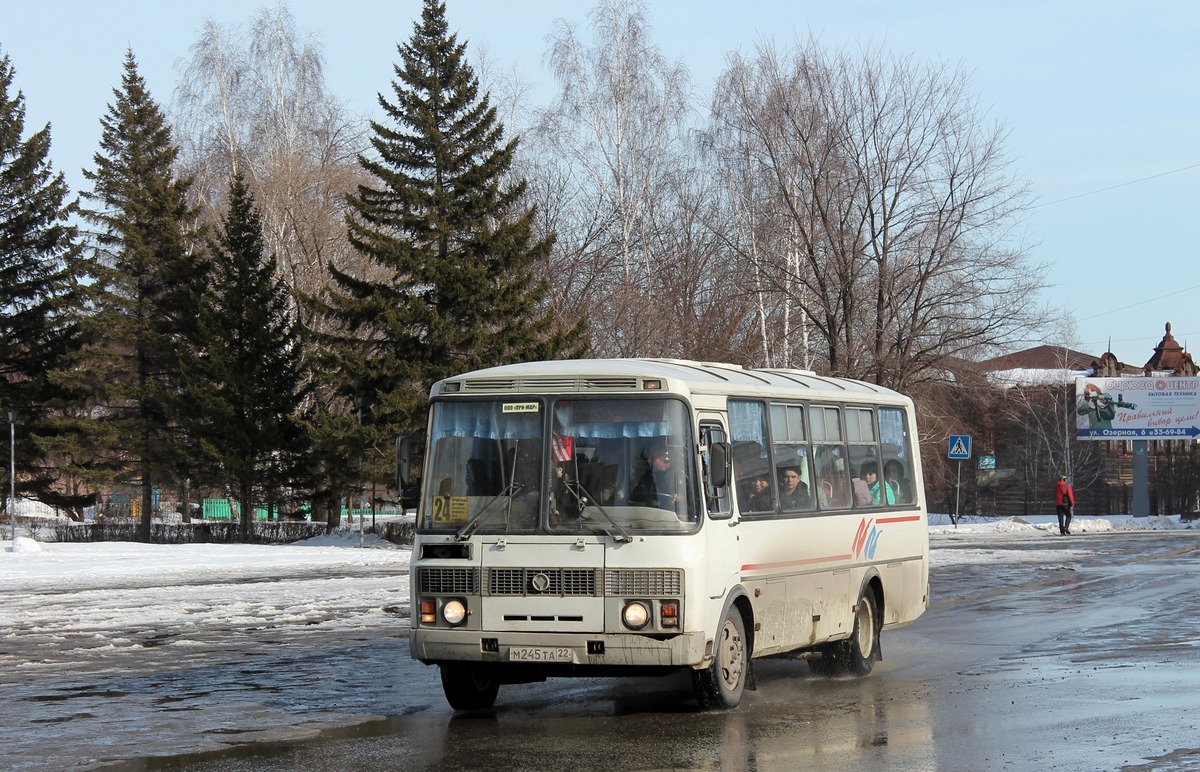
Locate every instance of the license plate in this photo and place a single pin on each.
(540, 654)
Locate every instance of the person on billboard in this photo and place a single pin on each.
(1101, 408)
(1064, 504)
(1098, 407)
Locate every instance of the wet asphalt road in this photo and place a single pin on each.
(1080, 654)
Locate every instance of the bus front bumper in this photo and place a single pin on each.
(612, 650)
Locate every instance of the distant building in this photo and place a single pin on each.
(1030, 432)
(1169, 359)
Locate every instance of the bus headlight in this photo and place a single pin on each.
(454, 612)
(635, 615)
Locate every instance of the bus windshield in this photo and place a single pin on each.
(568, 466)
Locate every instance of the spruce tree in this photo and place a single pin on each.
(246, 386)
(452, 237)
(38, 261)
(149, 275)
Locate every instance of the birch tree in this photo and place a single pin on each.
(252, 101)
(887, 202)
(612, 140)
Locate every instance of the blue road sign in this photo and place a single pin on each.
(960, 446)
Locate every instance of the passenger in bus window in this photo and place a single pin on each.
(748, 466)
(893, 475)
(862, 490)
(877, 492)
(760, 493)
(793, 492)
(831, 490)
(657, 487)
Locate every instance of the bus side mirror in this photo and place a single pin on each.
(718, 475)
(403, 463)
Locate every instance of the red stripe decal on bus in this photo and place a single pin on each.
(784, 564)
(908, 519)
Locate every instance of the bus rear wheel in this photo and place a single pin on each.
(721, 684)
(855, 655)
(469, 685)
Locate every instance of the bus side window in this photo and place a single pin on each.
(751, 473)
(715, 496)
(833, 491)
(897, 454)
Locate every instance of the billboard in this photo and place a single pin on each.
(1137, 408)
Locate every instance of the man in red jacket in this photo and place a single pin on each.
(1064, 502)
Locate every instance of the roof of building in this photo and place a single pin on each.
(1169, 356)
(1051, 364)
(1041, 358)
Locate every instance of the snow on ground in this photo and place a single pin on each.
(83, 599)
(38, 566)
(1048, 524)
(71, 602)
(986, 536)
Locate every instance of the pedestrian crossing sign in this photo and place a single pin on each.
(960, 446)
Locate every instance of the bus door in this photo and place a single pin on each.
(719, 534)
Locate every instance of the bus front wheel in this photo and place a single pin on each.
(469, 685)
(855, 655)
(721, 684)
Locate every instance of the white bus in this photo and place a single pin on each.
(635, 516)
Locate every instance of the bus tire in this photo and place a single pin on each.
(721, 684)
(469, 685)
(855, 655)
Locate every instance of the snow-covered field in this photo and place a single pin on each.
(37, 567)
(986, 535)
(175, 648)
(68, 605)
(88, 597)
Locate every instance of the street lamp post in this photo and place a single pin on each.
(12, 475)
(358, 401)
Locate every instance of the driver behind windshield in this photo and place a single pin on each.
(658, 485)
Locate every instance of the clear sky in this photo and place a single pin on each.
(1102, 100)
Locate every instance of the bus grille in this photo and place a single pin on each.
(463, 581)
(578, 582)
(552, 384)
(663, 581)
(549, 384)
(614, 383)
(583, 383)
(489, 384)
(541, 581)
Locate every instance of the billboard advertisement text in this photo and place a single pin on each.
(1137, 408)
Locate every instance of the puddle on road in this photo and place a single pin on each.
(76, 694)
(62, 719)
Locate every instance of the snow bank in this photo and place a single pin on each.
(940, 525)
(23, 544)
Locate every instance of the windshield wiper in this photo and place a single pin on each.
(508, 494)
(621, 534)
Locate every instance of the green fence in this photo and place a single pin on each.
(220, 509)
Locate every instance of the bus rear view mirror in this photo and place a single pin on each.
(719, 474)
